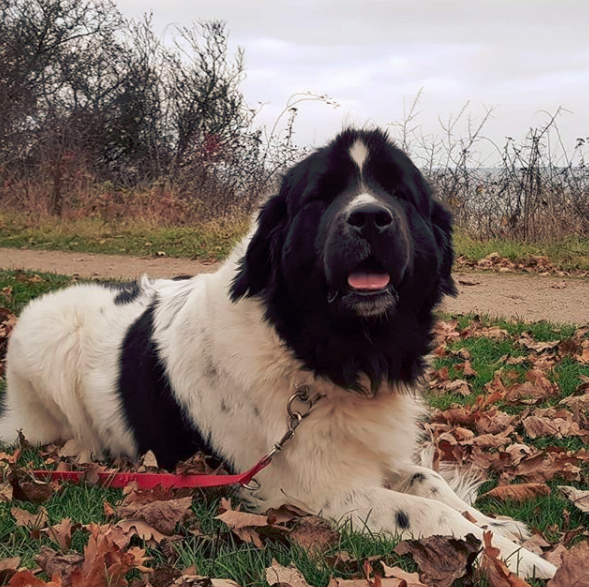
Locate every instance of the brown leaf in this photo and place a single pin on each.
(536, 544)
(28, 489)
(494, 569)
(32, 521)
(235, 519)
(165, 575)
(285, 513)
(467, 369)
(149, 460)
(554, 556)
(62, 565)
(583, 356)
(574, 571)
(5, 492)
(141, 529)
(442, 559)
(285, 576)
(578, 497)
(27, 579)
(459, 386)
(314, 534)
(519, 493)
(62, 533)
(411, 579)
(161, 515)
(539, 426)
(8, 567)
(105, 564)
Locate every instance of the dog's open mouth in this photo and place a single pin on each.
(369, 278)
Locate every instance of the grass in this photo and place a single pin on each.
(542, 513)
(208, 241)
(213, 240)
(220, 554)
(567, 254)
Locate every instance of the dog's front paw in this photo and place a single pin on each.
(511, 529)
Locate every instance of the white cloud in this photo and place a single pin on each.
(522, 56)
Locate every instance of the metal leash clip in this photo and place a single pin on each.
(295, 418)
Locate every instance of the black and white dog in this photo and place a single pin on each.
(334, 289)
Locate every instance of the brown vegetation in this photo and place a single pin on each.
(99, 118)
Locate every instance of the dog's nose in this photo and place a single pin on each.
(370, 218)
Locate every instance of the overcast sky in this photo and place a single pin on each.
(523, 58)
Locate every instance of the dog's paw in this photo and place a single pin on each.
(509, 528)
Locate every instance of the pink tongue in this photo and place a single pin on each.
(367, 281)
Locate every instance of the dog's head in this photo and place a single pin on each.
(353, 243)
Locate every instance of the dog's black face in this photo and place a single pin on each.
(350, 258)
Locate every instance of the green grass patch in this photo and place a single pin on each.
(567, 254)
(206, 241)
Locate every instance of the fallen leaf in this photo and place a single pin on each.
(459, 386)
(555, 556)
(62, 533)
(149, 460)
(141, 529)
(161, 515)
(442, 559)
(32, 521)
(314, 534)
(62, 565)
(494, 569)
(285, 513)
(411, 579)
(5, 492)
(536, 544)
(578, 497)
(519, 493)
(28, 489)
(574, 571)
(283, 576)
(237, 519)
(194, 580)
(27, 579)
(8, 568)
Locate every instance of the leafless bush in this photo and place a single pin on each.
(538, 191)
(85, 94)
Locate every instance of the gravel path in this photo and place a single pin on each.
(528, 297)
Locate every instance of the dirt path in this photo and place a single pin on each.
(528, 297)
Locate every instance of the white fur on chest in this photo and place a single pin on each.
(234, 377)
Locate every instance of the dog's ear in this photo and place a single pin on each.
(256, 268)
(442, 224)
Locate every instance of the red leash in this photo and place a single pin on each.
(152, 480)
(169, 480)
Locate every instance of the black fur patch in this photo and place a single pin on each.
(402, 520)
(128, 292)
(155, 417)
(417, 478)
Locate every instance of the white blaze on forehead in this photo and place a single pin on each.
(360, 200)
(359, 153)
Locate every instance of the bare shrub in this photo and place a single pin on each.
(88, 99)
(538, 191)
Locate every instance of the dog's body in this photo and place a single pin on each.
(333, 288)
